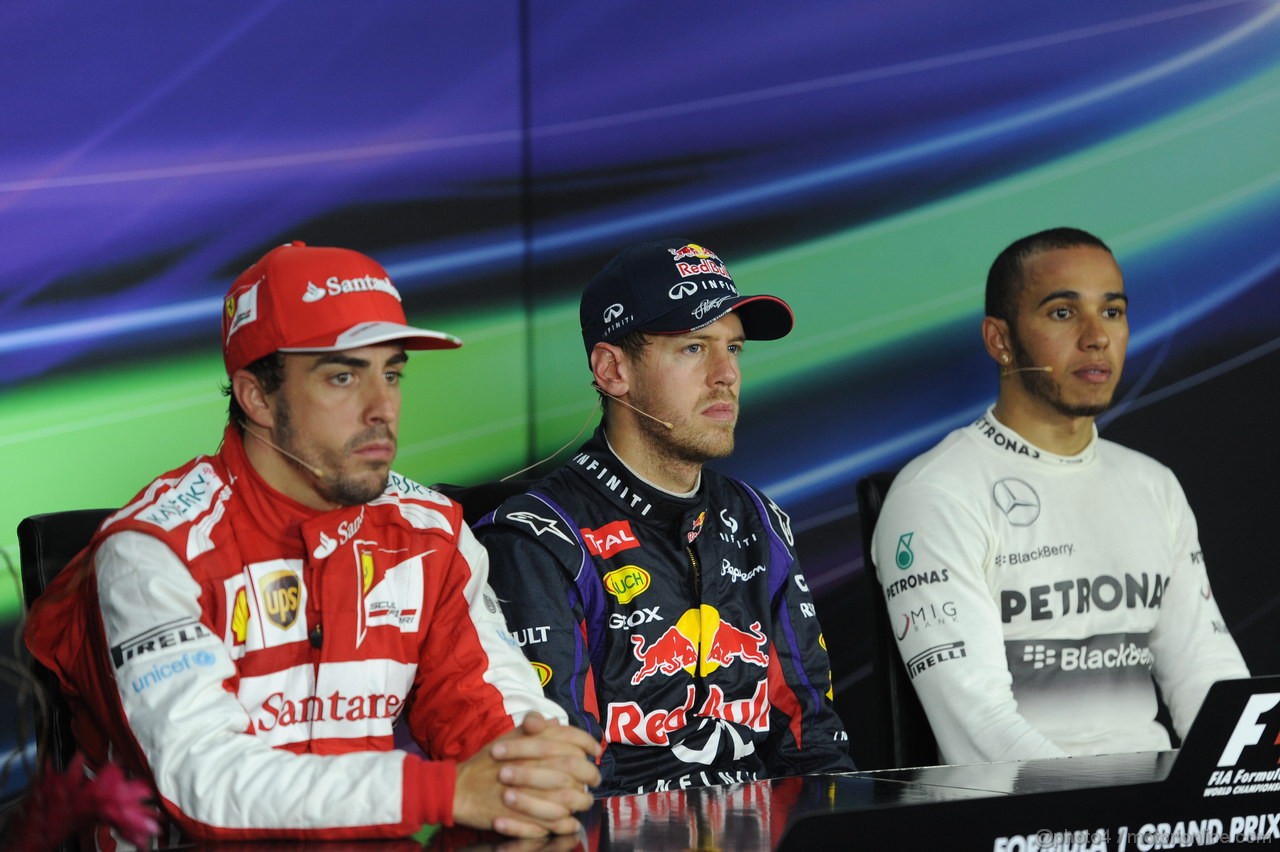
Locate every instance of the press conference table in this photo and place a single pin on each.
(998, 806)
(1222, 787)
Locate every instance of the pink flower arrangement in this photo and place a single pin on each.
(62, 804)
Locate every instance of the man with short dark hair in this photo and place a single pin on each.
(1038, 576)
(248, 630)
(661, 602)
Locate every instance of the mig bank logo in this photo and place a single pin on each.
(904, 557)
(1017, 501)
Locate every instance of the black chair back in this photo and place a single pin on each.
(479, 500)
(46, 543)
(911, 741)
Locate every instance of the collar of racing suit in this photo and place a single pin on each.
(990, 431)
(633, 496)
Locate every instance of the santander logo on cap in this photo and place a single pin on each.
(300, 298)
(335, 286)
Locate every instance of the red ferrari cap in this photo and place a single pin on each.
(301, 298)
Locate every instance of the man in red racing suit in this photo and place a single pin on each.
(248, 630)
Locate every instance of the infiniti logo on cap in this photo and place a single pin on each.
(613, 312)
(684, 288)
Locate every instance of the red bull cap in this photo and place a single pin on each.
(672, 286)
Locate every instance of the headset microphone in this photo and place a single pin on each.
(1005, 372)
(632, 407)
(315, 471)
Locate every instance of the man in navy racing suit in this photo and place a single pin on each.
(660, 602)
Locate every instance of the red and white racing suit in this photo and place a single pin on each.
(249, 656)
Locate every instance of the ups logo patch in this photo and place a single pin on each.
(281, 591)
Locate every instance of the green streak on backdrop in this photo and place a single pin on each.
(94, 438)
(878, 284)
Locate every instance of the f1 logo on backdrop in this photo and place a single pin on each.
(1249, 730)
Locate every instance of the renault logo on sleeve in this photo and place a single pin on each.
(1018, 501)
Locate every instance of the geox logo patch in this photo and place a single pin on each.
(281, 591)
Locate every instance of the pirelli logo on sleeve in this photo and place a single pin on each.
(158, 639)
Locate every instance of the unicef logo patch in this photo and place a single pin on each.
(1017, 500)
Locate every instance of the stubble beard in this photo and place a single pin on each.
(1041, 386)
(334, 484)
(683, 443)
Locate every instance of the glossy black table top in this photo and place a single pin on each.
(1221, 787)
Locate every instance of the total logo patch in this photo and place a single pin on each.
(627, 582)
(610, 539)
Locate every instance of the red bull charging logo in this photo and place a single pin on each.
(721, 644)
(692, 250)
